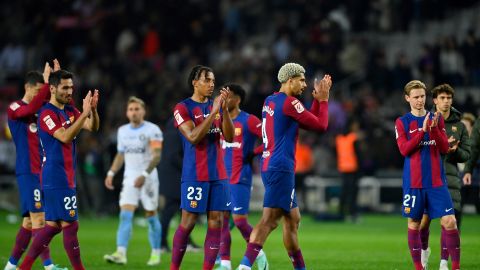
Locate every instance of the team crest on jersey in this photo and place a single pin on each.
(33, 127)
(454, 128)
(217, 116)
(72, 118)
(298, 106)
(178, 117)
(49, 122)
(14, 106)
(193, 204)
(142, 137)
(407, 210)
(71, 213)
(238, 131)
(38, 205)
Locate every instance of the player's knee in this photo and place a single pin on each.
(270, 224)
(449, 222)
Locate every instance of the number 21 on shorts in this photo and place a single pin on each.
(409, 201)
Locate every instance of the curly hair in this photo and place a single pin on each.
(289, 70)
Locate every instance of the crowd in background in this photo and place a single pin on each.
(146, 48)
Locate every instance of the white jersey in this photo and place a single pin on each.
(134, 143)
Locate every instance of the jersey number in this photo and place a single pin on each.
(191, 192)
(70, 202)
(36, 195)
(264, 133)
(406, 200)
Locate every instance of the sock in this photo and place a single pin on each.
(452, 241)
(250, 254)
(154, 232)
(41, 241)
(211, 247)
(124, 228)
(415, 246)
(443, 245)
(21, 244)
(244, 227)
(71, 245)
(225, 240)
(424, 234)
(179, 247)
(45, 255)
(297, 260)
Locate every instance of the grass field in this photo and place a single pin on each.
(377, 242)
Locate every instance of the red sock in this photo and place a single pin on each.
(71, 245)
(452, 241)
(21, 244)
(41, 241)
(211, 247)
(225, 240)
(415, 246)
(179, 247)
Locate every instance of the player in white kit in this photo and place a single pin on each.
(139, 145)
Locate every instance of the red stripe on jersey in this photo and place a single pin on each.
(222, 171)
(295, 151)
(201, 161)
(33, 149)
(237, 154)
(415, 163)
(436, 166)
(68, 164)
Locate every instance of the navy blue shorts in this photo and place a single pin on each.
(279, 190)
(61, 204)
(240, 198)
(31, 197)
(436, 202)
(200, 197)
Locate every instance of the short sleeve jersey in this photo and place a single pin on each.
(202, 161)
(134, 143)
(58, 170)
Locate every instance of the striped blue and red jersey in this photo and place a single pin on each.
(248, 129)
(423, 167)
(282, 115)
(58, 171)
(202, 161)
(22, 122)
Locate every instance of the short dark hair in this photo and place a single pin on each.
(237, 90)
(57, 76)
(33, 77)
(443, 88)
(196, 73)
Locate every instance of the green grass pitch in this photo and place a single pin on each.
(377, 242)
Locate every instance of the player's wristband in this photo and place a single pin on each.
(145, 174)
(110, 173)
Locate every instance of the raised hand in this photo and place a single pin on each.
(94, 99)
(321, 90)
(425, 126)
(46, 72)
(225, 94)
(434, 123)
(87, 103)
(56, 65)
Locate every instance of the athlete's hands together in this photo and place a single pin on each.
(321, 90)
(453, 144)
(221, 101)
(428, 123)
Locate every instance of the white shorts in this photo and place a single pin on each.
(147, 194)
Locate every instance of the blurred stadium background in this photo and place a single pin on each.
(146, 48)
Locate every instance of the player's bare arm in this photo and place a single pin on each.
(156, 148)
(93, 121)
(194, 134)
(66, 135)
(227, 123)
(116, 165)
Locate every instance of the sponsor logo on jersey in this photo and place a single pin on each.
(178, 117)
(427, 143)
(14, 106)
(49, 122)
(33, 127)
(268, 110)
(226, 144)
(238, 131)
(214, 130)
(298, 106)
(193, 204)
(135, 150)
